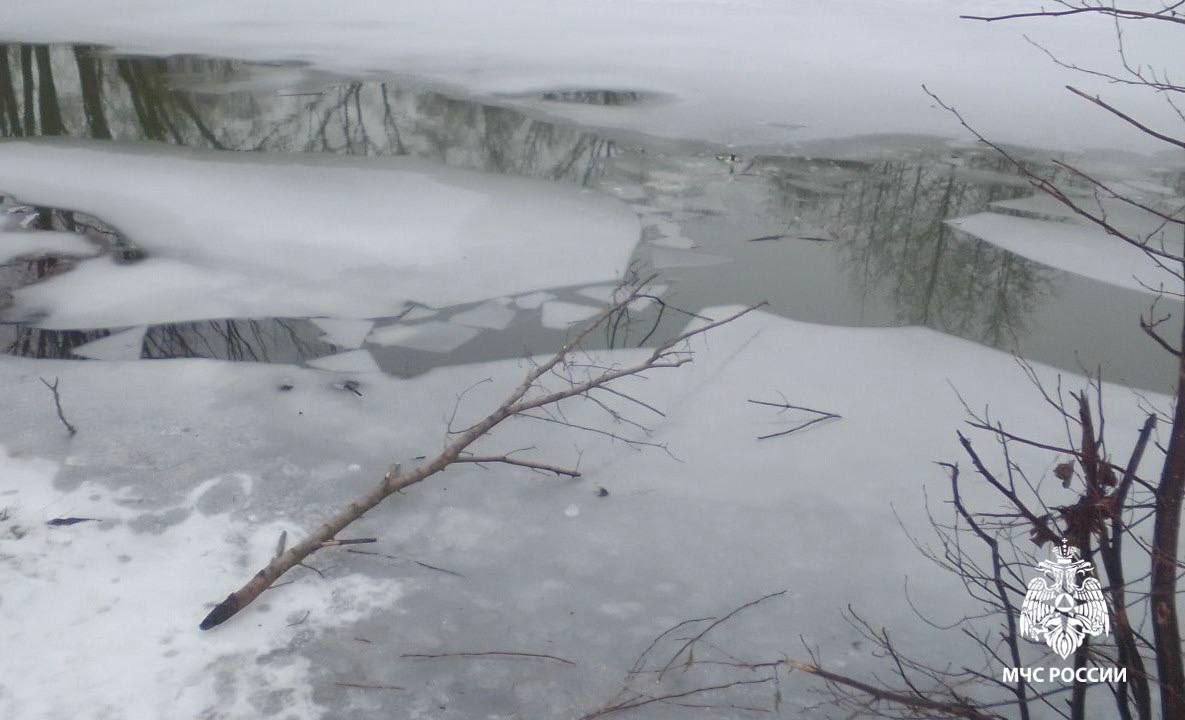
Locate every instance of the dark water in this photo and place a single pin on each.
(842, 233)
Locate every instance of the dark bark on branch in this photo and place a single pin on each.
(1166, 534)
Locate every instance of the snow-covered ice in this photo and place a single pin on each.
(98, 616)
(33, 244)
(194, 467)
(1072, 246)
(248, 235)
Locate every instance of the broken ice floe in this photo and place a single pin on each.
(492, 315)
(352, 361)
(343, 332)
(432, 336)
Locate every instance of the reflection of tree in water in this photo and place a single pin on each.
(376, 119)
(36, 110)
(79, 91)
(46, 344)
(890, 220)
(273, 340)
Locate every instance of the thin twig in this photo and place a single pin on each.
(57, 401)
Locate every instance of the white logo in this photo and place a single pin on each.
(1065, 604)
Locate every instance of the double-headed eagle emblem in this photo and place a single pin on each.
(1065, 604)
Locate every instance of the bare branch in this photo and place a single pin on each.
(517, 403)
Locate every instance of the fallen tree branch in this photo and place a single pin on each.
(529, 395)
(916, 702)
(727, 685)
(640, 700)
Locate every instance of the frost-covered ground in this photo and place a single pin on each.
(191, 469)
(730, 71)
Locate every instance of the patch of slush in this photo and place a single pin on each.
(432, 336)
(560, 315)
(99, 620)
(344, 332)
(125, 345)
(1069, 246)
(492, 315)
(36, 244)
(351, 361)
(249, 235)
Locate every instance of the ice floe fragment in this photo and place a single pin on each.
(432, 336)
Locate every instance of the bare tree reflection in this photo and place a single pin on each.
(270, 340)
(889, 219)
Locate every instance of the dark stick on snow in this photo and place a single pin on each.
(57, 401)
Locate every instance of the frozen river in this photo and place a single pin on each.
(263, 254)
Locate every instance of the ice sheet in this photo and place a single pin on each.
(244, 235)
